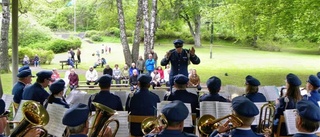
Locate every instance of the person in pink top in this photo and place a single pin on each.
(161, 72)
(55, 75)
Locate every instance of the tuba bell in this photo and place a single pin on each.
(102, 120)
(266, 118)
(208, 123)
(35, 116)
(148, 124)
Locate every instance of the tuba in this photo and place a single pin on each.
(148, 124)
(101, 120)
(208, 123)
(35, 116)
(266, 118)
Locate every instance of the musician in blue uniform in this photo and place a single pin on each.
(307, 119)
(179, 59)
(36, 91)
(175, 112)
(214, 86)
(246, 111)
(56, 96)
(252, 88)
(180, 84)
(24, 78)
(76, 120)
(289, 101)
(141, 103)
(104, 96)
(313, 83)
(3, 118)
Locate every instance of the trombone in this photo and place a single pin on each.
(208, 123)
(266, 119)
(148, 124)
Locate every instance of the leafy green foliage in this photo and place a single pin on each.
(61, 45)
(45, 56)
(96, 38)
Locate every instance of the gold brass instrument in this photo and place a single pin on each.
(208, 123)
(266, 118)
(148, 124)
(102, 120)
(35, 116)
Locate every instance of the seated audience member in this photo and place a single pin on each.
(91, 75)
(161, 72)
(141, 103)
(318, 75)
(175, 112)
(133, 81)
(56, 96)
(214, 86)
(116, 74)
(313, 83)
(76, 120)
(104, 96)
(246, 111)
(24, 78)
(73, 79)
(252, 87)
(103, 62)
(180, 84)
(36, 91)
(26, 60)
(125, 74)
(107, 70)
(194, 79)
(132, 67)
(289, 101)
(155, 82)
(55, 75)
(97, 63)
(307, 119)
(70, 62)
(167, 75)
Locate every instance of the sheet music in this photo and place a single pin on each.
(56, 113)
(271, 93)
(123, 130)
(19, 116)
(8, 99)
(223, 109)
(257, 117)
(187, 121)
(208, 107)
(290, 120)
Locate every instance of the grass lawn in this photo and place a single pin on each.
(270, 68)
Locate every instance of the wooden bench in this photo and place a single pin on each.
(86, 89)
(97, 86)
(65, 62)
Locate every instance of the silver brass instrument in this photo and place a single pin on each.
(208, 123)
(148, 124)
(266, 118)
(35, 116)
(102, 120)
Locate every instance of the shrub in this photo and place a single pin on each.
(268, 46)
(45, 56)
(90, 33)
(189, 40)
(113, 32)
(96, 38)
(61, 45)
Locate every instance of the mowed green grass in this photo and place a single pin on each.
(270, 68)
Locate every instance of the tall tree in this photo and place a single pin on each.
(4, 63)
(147, 47)
(136, 35)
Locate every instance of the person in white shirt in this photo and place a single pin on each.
(116, 74)
(166, 74)
(91, 75)
(155, 79)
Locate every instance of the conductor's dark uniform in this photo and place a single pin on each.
(179, 61)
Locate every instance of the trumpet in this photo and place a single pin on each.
(266, 118)
(148, 124)
(35, 116)
(208, 123)
(102, 120)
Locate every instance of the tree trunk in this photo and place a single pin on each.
(153, 27)
(136, 40)
(197, 35)
(123, 36)
(4, 63)
(147, 47)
